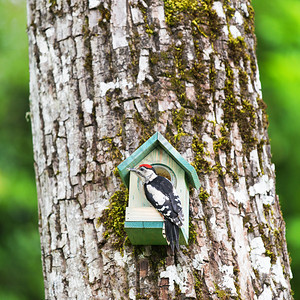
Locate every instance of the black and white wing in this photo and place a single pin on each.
(163, 196)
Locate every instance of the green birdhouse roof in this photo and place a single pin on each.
(157, 140)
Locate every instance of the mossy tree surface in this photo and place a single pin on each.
(105, 75)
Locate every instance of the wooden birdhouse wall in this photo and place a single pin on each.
(139, 209)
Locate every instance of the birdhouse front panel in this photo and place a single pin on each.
(141, 213)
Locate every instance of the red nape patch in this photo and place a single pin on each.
(146, 166)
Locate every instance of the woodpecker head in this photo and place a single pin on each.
(145, 172)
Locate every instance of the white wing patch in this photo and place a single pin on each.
(158, 196)
(165, 210)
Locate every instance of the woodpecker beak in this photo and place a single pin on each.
(136, 171)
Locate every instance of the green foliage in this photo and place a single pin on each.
(278, 51)
(20, 262)
(20, 255)
(14, 86)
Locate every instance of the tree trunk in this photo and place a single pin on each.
(104, 76)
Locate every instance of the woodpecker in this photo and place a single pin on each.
(161, 193)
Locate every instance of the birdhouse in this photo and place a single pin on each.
(143, 223)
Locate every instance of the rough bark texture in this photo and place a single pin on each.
(105, 75)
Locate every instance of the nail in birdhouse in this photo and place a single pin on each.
(143, 223)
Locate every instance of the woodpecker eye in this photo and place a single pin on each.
(142, 168)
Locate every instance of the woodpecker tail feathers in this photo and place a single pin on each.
(171, 233)
(179, 219)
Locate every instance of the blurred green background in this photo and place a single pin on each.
(278, 50)
(20, 263)
(278, 53)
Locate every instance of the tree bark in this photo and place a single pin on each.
(104, 76)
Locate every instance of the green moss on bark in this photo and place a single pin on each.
(203, 196)
(148, 26)
(200, 164)
(242, 112)
(113, 218)
(197, 14)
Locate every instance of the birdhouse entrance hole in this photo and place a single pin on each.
(166, 172)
